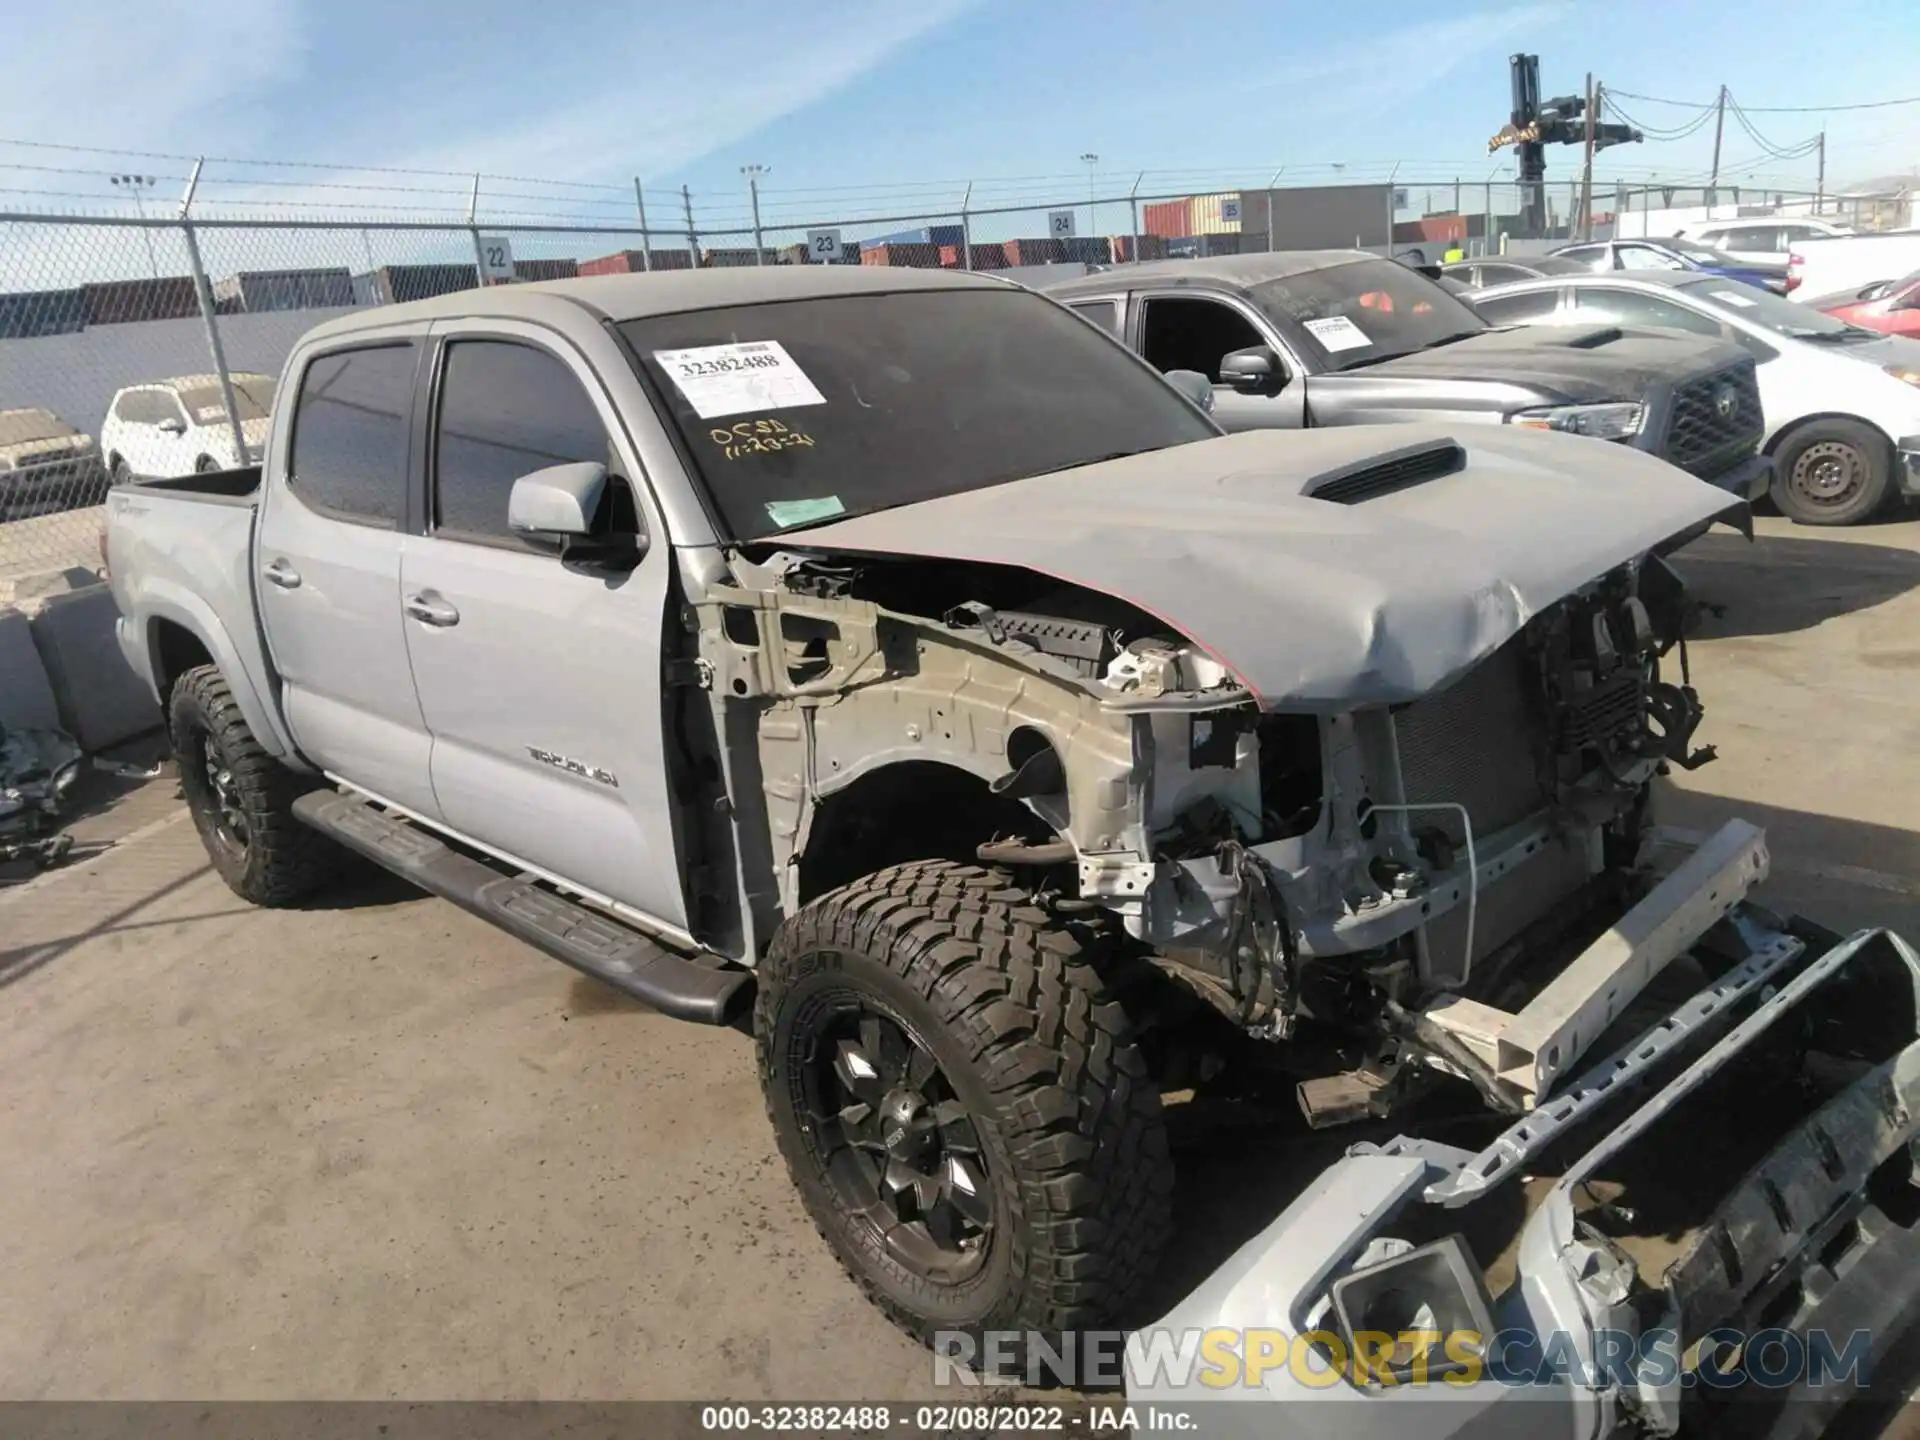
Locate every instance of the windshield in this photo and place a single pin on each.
(252, 393)
(1764, 308)
(19, 426)
(809, 410)
(1368, 310)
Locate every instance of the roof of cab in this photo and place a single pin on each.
(1231, 271)
(663, 292)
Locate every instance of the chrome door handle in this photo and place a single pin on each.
(279, 572)
(429, 609)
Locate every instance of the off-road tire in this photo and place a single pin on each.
(1006, 996)
(1857, 452)
(281, 860)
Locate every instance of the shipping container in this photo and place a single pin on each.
(1124, 249)
(1086, 249)
(397, 284)
(258, 291)
(27, 313)
(634, 262)
(918, 256)
(1167, 218)
(985, 257)
(1042, 251)
(117, 302)
(1208, 214)
(546, 269)
(733, 257)
(925, 235)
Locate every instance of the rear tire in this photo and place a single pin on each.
(242, 798)
(1036, 1193)
(1832, 472)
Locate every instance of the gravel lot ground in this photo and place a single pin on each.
(375, 1150)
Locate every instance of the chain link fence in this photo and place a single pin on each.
(135, 346)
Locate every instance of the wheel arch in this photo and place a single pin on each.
(182, 631)
(879, 816)
(1792, 427)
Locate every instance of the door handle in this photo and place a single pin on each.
(430, 609)
(279, 572)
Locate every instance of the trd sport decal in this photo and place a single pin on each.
(573, 767)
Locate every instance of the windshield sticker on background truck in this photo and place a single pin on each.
(728, 379)
(1337, 333)
(804, 512)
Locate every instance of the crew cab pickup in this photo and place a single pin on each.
(1339, 337)
(894, 651)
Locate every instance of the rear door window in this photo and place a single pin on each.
(1104, 313)
(1630, 307)
(350, 434)
(505, 410)
(1526, 309)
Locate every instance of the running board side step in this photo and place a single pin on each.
(592, 943)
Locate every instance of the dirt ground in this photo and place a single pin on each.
(373, 1149)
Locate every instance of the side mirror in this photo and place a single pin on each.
(560, 500)
(1253, 371)
(173, 425)
(1195, 386)
(590, 513)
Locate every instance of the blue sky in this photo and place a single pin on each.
(893, 94)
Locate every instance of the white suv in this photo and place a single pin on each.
(1762, 240)
(180, 427)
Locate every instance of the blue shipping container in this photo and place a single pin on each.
(926, 235)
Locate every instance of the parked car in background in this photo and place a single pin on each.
(1308, 338)
(1763, 240)
(180, 427)
(1842, 404)
(46, 465)
(1852, 262)
(1656, 255)
(1499, 269)
(1890, 306)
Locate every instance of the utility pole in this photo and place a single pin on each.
(1090, 160)
(134, 184)
(646, 242)
(1586, 164)
(1719, 125)
(753, 174)
(1820, 181)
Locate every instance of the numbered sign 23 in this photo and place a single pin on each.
(823, 246)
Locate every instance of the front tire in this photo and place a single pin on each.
(962, 1105)
(1832, 472)
(241, 798)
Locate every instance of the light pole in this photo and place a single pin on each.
(1090, 160)
(134, 184)
(753, 174)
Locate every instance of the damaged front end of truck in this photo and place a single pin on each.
(1354, 763)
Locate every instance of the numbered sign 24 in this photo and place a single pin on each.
(1060, 224)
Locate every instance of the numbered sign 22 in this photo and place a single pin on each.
(1060, 223)
(823, 246)
(496, 258)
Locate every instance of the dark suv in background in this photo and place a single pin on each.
(1340, 337)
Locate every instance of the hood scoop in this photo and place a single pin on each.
(1383, 474)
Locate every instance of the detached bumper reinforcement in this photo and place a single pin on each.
(592, 943)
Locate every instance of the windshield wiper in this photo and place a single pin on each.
(1416, 350)
(1833, 337)
(1093, 460)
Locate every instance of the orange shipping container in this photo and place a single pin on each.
(1169, 219)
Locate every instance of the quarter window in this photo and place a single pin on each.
(350, 434)
(506, 410)
(1104, 313)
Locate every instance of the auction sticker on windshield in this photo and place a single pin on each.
(728, 379)
(1337, 333)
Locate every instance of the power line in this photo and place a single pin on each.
(1772, 109)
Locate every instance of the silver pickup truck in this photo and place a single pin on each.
(894, 650)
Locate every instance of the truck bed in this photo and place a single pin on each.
(180, 560)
